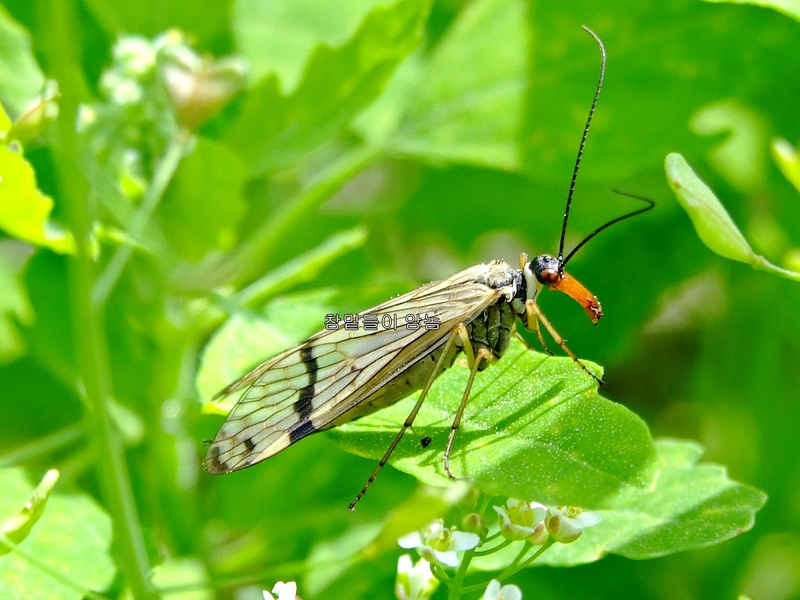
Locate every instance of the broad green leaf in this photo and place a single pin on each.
(534, 427)
(278, 37)
(24, 210)
(203, 204)
(690, 506)
(790, 8)
(69, 545)
(21, 80)
(712, 222)
(468, 105)
(273, 130)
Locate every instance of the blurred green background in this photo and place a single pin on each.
(439, 135)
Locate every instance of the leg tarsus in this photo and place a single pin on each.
(480, 356)
(411, 416)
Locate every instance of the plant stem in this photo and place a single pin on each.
(455, 587)
(494, 549)
(164, 173)
(519, 564)
(261, 245)
(62, 55)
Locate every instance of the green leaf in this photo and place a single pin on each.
(203, 204)
(690, 506)
(278, 37)
(21, 80)
(790, 8)
(468, 105)
(712, 222)
(273, 130)
(65, 555)
(19, 526)
(788, 161)
(24, 210)
(534, 427)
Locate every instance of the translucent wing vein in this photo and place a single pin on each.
(307, 387)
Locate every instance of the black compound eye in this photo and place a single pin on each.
(546, 269)
(549, 276)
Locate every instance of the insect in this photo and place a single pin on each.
(426, 441)
(339, 375)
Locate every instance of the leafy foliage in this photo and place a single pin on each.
(375, 145)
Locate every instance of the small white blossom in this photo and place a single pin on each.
(566, 523)
(282, 591)
(520, 520)
(134, 54)
(438, 544)
(507, 592)
(414, 582)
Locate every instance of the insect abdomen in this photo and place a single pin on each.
(492, 329)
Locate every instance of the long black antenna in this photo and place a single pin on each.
(583, 143)
(650, 204)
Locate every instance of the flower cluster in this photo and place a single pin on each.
(520, 520)
(438, 544)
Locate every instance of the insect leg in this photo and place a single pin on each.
(454, 334)
(480, 356)
(533, 324)
(534, 312)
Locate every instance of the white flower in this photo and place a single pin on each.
(438, 544)
(507, 592)
(521, 519)
(134, 55)
(284, 591)
(566, 523)
(414, 582)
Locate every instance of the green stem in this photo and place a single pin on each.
(456, 586)
(260, 248)
(302, 268)
(494, 549)
(42, 446)
(518, 564)
(164, 173)
(762, 264)
(62, 57)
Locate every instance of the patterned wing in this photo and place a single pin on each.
(307, 387)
